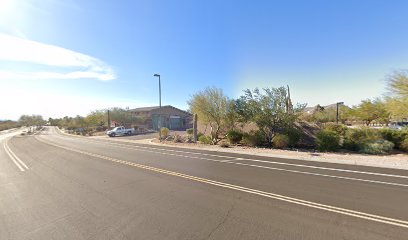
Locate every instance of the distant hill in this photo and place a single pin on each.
(312, 109)
(8, 124)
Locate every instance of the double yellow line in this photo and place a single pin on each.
(343, 211)
(17, 161)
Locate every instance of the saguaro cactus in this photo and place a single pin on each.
(195, 128)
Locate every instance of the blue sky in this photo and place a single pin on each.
(69, 57)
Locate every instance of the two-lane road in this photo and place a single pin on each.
(54, 186)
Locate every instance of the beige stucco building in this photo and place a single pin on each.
(166, 116)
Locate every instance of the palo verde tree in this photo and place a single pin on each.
(96, 118)
(397, 99)
(31, 120)
(271, 110)
(213, 108)
(120, 115)
(369, 111)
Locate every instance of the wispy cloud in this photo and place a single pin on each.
(63, 61)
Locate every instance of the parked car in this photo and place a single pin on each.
(120, 131)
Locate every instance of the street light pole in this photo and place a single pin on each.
(159, 122)
(109, 125)
(337, 111)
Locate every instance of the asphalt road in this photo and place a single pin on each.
(54, 186)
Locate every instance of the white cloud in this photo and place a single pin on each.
(18, 50)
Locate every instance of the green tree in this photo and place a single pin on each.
(397, 84)
(120, 115)
(397, 99)
(369, 111)
(31, 120)
(232, 117)
(79, 122)
(271, 110)
(398, 107)
(213, 108)
(96, 118)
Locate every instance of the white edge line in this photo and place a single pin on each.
(253, 160)
(322, 175)
(270, 168)
(357, 214)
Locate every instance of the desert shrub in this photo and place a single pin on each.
(328, 140)
(404, 145)
(354, 139)
(234, 136)
(190, 131)
(392, 135)
(294, 135)
(224, 144)
(189, 139)
(199, 134)
(280, 141)
(204, 139)
(340, 129)
(177, 138)
(254, 138)
(164, 132)
(101, 128)
(377, 147)
(169, 138)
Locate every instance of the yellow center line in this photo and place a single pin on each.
(233, 162)
(157, 150)
(20, 164)
(343, 211)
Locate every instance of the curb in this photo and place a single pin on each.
(383, 163)
(355, 162)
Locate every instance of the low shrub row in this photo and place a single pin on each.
(234, 136)
(204, 139)
(332, 137)
(328, 140)
(254, 138)
(363, 140)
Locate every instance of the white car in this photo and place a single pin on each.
(120, 131)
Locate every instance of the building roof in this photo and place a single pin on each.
(149, 109)
(145, 109)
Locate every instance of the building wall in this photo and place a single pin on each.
(171, 117)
